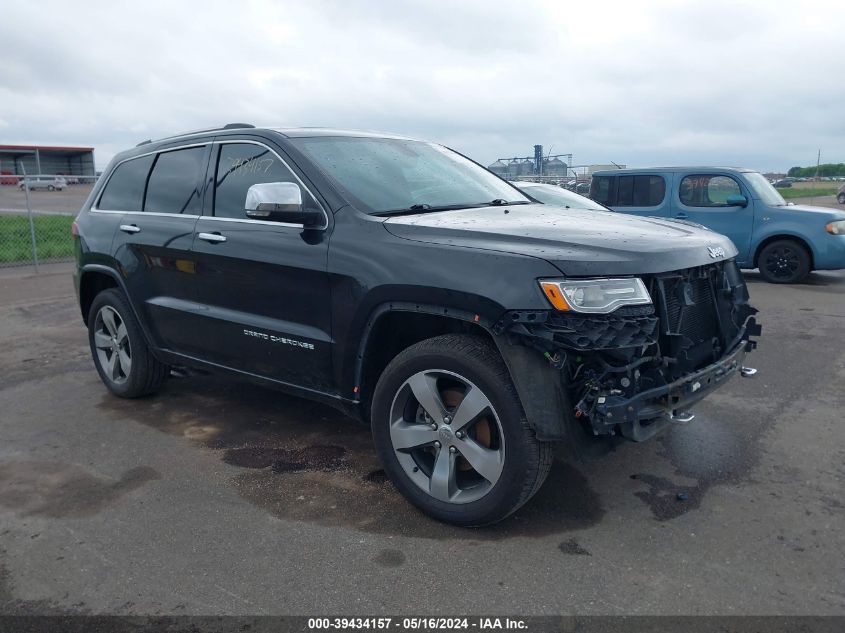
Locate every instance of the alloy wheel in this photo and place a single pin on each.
(112, 343)
(782, 262)
(447, 436)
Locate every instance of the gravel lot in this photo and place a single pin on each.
(69, 201)
(220, 497)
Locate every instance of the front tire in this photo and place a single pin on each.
(841, 198)
(451, 433)
(784, 262)
(121, 355)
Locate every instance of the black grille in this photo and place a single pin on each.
(606, 331)
(690, 307)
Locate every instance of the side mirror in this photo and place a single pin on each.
(736, 201)
(280, 202)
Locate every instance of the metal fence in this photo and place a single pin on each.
(36, 214)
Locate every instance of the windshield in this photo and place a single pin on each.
(383, 175)
(763, 189)
(549, 194)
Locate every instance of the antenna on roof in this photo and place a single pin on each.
(149, 140)
(235, 126)
(615, 165)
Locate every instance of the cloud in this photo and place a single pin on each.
(638, 83)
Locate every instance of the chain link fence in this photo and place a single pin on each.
(36, 214)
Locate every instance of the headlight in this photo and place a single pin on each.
(595, 295)
(835, 228)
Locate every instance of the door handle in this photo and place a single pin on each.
(212, 237)
(130, 228)
(681, 216)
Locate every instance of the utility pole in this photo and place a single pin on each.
(818, 160)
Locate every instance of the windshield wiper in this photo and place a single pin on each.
(427, 208)
(424, 208)
(498, 202)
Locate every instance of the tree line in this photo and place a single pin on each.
(825, 169)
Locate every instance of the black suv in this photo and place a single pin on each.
(406, 285)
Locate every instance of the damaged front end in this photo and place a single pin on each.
(640, 367)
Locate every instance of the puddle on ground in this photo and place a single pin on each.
(62, 491)
(725, 444)
(390, 558)
(282, 460)
(711, 452)
(304, 461)
(573, 548)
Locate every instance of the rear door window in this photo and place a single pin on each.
(175, 182)
(125, 188)
(640, 191)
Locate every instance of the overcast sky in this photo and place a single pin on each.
(719, 82)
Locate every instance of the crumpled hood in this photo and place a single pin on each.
(578, 242)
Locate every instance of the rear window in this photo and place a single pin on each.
(629, 191)
(640, 191)
(125, 189)
(600, 189)
(174, 185)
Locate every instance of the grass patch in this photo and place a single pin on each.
(52, 237)
(807, 192)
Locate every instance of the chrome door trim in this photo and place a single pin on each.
(153, 213)
(95, 207)
(250, 221)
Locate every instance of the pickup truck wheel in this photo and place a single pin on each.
(123, 360)
(784, 262)
(451, 434)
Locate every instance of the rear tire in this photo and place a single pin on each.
(841, 198)
(125, 363)
(478, 426)
(784, 262)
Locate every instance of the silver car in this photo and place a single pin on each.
(50, 184)
(552, 194)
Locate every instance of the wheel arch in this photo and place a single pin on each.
(801, 241)
(538, 385)
(93, 279)
(393, 327)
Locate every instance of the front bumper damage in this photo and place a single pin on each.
(648, 412)
(637, 370)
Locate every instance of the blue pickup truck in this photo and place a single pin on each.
(785, 241)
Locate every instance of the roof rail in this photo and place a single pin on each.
(228, 126)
